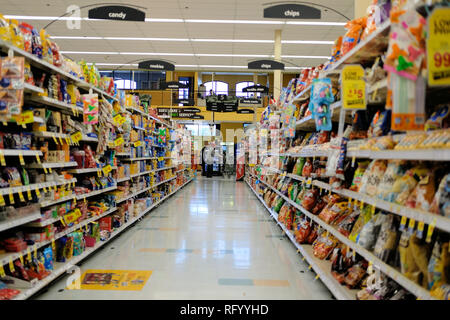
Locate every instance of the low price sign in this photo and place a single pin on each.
(353, 88)
(438, 47)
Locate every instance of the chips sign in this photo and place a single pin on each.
(156, 65)
(438, 47)
(292, 11)
(353, 88)
(121, 13)
(266, 65)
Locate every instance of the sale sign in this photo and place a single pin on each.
(353, 88)
(90, 108)
(438, 47)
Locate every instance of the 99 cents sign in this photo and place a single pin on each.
(438, 47)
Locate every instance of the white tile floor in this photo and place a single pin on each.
(233, 242)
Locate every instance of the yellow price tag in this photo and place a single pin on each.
(11, 265)
(99, 173)
(61, 141)
(160, 158)
(45, 169)
(353, 88)
(22, 199)
(22, 162)
(38, 193)
(251, 165)
(118, 142)
(2, 271)
(411, 225)
(2, 158)
(21, 258)
(38, 159)
(2, 200)
(29, 196)
(27, 117)
(370, 268)
(430, 230)
(35, 251)
(310, 267)
(438, 48)
(62, 221)
(118, 120)
(28, 254)
(107, 169)
(317, 277)
(420, 228)
(49, 170)
(53, 244)
(353, 161)
(44, 188)
(138, 143)
(76, 137)
(11, 198)
(403, 222)
(54, 138)
(361, 205)
(84, 199)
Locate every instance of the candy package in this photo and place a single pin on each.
(362, 166)
(320, 101)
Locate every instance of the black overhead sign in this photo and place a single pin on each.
(222, 104)
(184, 113)
(250, 101)
(256, 88)
(246, 111)
(292, 11)
(266, 65)
(156, 65)
(121, 13)
(174, 85)
(188, 102)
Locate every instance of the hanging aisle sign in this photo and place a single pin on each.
(189, 101)
(250, 101)
(156, 65)
(174, 85)
(246, 111)
(353, 88)
(121, 13)
(292, 11)
(266, 65)
(257, 89)
(438, 47)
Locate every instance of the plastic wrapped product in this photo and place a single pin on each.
(363, 218)
(353, 34)
(374, 176)
(346, 225)
(324, 245)
(320, 101)
(362, 166)
(310, 198)
(441, 200)
(298, 168)
(355, 275)
(278, 204)
(395, 170)
(439, 265)
(303, 230)
(423, 193)
(387, 240)
(414, 257)
(332, 211)
(369, 233)
(406, 184)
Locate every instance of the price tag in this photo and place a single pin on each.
(11, 265)
(411, 225)
(353, 161)
(61, 141)
(74, 200)
(29, 196)
(353, 88)
(54, 138)
(2, 271)
(403, 223)
(45, 169)
(2, 158)
(438, 48)
(99, 173)
(118, 142)
(430, 230)
(138, 143)
(2, 200)
(160, 158)
(38, 159)
(38, 193)
(49, 170)
(28, 254)
(22, 162)
(67, 141)
(370, 268)
(84, 199)
(44, 188)
(309, 181)
(317, 277)
(22, 199)
(21, 258)
(62, 221)
(107, 169)
(373, 209)
(76, 137)
(310, 267)
(420, 228)
(349, 203)
(35, 251)
(53, 244)
(73, 184)
(251, 165)
(11, 198)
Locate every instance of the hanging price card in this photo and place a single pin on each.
(160, 158)
(29, 196)
(2, 271)
(35, 250)
(420, 228)
(138, 143)
(11, 198)
(403, 223)
(22, 162)
(2, 158)
(430, 230)
(21, 258)
(76, 137)
(411, 225)
(22, 199)
(438, 47)
(118, 119)
(118, 141)
(11, 265)
(38, 159)
(353, 88)
(107, 169)
(28, 254)
(2, 200)
(38, 193)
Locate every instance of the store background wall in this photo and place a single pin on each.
(361, 7)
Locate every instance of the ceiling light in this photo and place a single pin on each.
(306, 57)
(146, 39)
(233, 40)
(306, 42)
(113, 64)
(76, 37)
(88, 52)
(233, 21)
(156, 54)
(316, 23)
(163, 20)
(232, 55)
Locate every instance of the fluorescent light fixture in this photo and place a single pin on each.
(76, 37)
(88, 52)
(296, 68)
(230, 55)
(316, 23)
(165, 20)
(146, 39)
(306, 42)
(233, 40)
(113, 64)
(220, 66)
(234, 21)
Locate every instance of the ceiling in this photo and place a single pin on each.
(191, 51)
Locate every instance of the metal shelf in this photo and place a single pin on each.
(34, 186)
(94, 193)
(88, 170)
(52, 165)
(56, 103)
(17, 152)
(11, 223)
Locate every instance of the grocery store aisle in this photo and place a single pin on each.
(211, 240)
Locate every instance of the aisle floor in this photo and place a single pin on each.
(211, 240)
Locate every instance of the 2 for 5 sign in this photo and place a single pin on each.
(353, 88)
(438, 47)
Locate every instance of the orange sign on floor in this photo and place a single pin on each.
(123, 280)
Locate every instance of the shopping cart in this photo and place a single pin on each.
(229, 170)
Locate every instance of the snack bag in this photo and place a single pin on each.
(324, 245)
(387, 241)
(439, 265)
(372, 177)
(406, 184)
(298, 168)
(321, 99)
(332, 211)
(359, 173)
(394, 171)
(353, 34)
(441, 200)
(422, 195)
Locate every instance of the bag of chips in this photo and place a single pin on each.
(439, 265)
(422, 195)
(441, 200)
(394, 171)
(362, 166)
(372, 177)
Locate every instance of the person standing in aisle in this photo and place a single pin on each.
(210, 161)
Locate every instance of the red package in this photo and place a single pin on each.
(310, 198)
(8, 294)
(323, 246)
(312, 236)
(105, 224)
(303, 230)
(307, 168)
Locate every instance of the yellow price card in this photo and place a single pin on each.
(2, 271)
(2, 158)
(22, 199)
(38, 193)
(438, 47)
(22, 162)
(353, 88)
(38, 159)
(76, 137)
(11, 265)
(138, 143)
(2, 200)
(107, 169)
(118, 142)
(28, 254)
